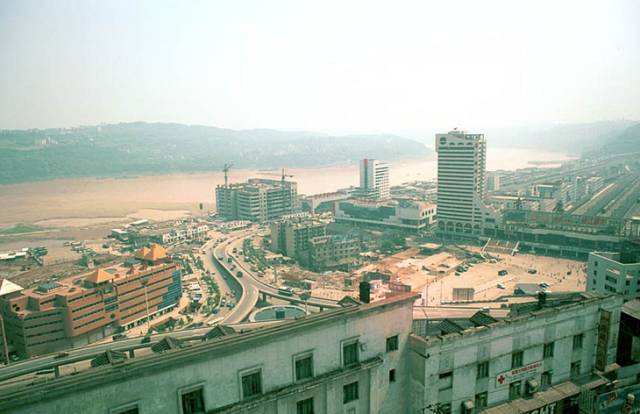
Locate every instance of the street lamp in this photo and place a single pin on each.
(305, 297)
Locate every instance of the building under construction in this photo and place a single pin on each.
(258, 199)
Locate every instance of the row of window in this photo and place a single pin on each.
(192, 400)
(482, 369)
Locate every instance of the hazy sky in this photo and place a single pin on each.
(338, 66)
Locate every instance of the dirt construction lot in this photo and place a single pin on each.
(435, 276)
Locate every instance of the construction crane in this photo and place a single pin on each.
(225, 170)
(283, 175)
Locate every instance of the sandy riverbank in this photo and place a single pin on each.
(69, 202)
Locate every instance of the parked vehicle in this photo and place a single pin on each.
(119, 337)
(501, 286)
(61, 355)
(502, 272)
(532, 271)
(286, 291)
(146, 340)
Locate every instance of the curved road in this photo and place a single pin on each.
(250, 284)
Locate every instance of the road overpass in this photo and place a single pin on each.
(250, 284)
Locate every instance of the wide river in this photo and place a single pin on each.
(84, 198)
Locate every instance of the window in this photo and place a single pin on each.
(126, 409)
(350, 354)
(575, 368)
(548, 350)
(516, 359)
(545, 379)
(481, 400)
(192, 401)
(392, 343)
(483, 370)
(305, 406)
(304, 367)
(251, 384)
(350, 392)
(514, 389)
(392, 375)
(577, 341)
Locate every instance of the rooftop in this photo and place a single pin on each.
(223, 342)
(7, 286)
(437, 330)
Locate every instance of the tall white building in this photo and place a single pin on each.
(461, 182)
(374, 180)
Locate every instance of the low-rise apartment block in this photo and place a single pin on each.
(333, 252)
(168, 235)
(83, 309)
(291, 237)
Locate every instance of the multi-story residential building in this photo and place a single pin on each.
(374, 180)
(291, 237)
(86, 308)
(614, 273)
(258, 200)
(461, 183)
(400, 214)
(333, 252)
(350, 361)
(539, 358)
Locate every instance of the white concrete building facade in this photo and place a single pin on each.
(498, 363)
(609, 272)
(347, 361)
(461, 182)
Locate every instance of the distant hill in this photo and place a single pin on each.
(628, 141)
(576, 139)
(154, 148)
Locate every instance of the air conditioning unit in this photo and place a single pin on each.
(532, 387)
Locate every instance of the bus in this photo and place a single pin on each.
(286, 291)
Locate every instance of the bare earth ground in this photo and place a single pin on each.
(482, 277)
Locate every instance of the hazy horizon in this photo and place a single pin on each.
(393, 67)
